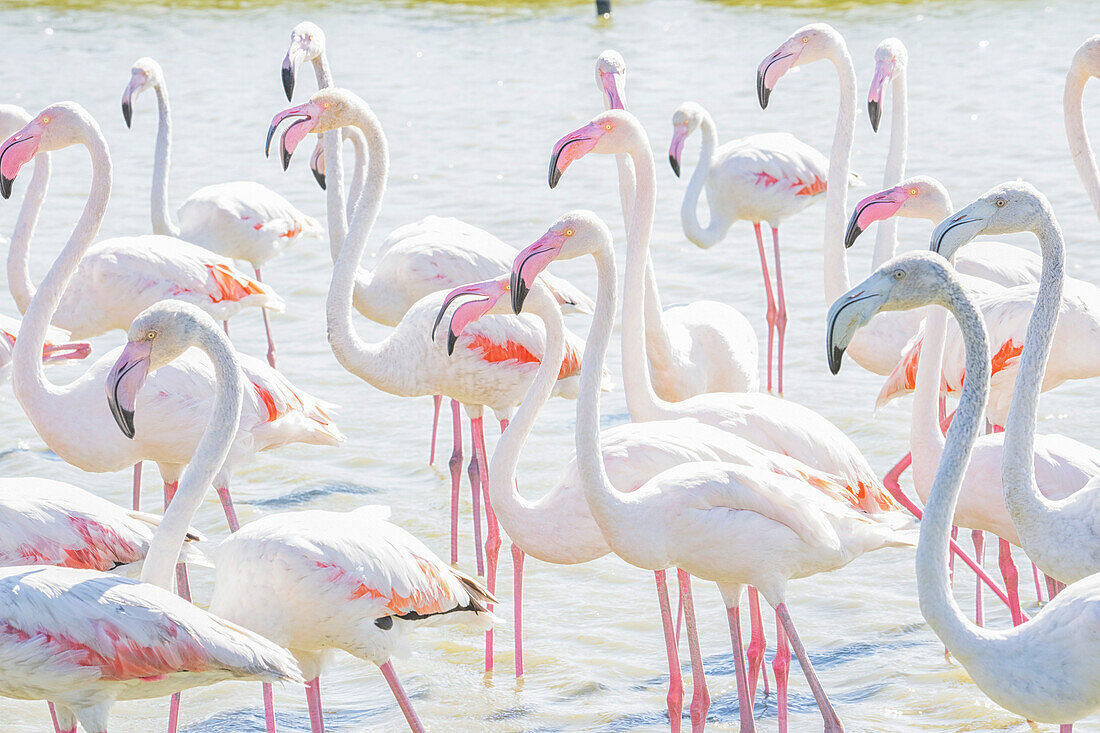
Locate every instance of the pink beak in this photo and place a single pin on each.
(16, 152)
(875, 207)
(771, 70)
(467, 313)
(884, 70)
(572, 147)
(529, 263)
(611, 87)
(125, 380)
(676, 149)
(305, 116)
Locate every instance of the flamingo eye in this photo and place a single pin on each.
(608, 126)
(326, 105)
(46, 120)
(913, 192)
(805, 39)
(899, 274)
(150, 336)
(1000, 203)
(569, 232)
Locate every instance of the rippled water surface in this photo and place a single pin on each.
(472, 98)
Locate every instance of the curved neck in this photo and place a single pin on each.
(836, 197)
(937, 604)
(29, 382)
(886, 238)
(162, 220)
(925, 438)
(19, 255)
(1079, 147)
(689, 209)
(359, 177)
(207, 460)
(1022, 497)
(335, 208)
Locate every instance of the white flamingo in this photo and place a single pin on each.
(55, 349)
(1047, 670)
(241, 220)
(83, 639)
(702, 346)
(73, 420)
(1085, 65)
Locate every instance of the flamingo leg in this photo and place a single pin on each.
(403, 700)
(437, 400)
(63, 720)
(700, 695)
(455, 464)
(225, 327)
(832, 720)
(269, 708)
(313, 700)
(675, 698)
(174, 713)
(183, 588)
(1038, 583)
(781, 664)
(53, 717)
(978, 538)
(781, 315)
(222, 488)
(758, 644)
(771, 300)
(1054, 587)
(1012, 580)
(493, 541)
(679, 617)
(744, 701)
(1065, 728)
(267, 330)
(474, 472)
(517, 605)
(136, 502)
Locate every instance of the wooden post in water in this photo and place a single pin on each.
(603, 8)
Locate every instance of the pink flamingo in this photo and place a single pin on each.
(241, 220)
(73, 420)
(759, 178)
(56, 348)
(83, 639)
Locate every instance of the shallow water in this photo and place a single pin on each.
(472, 97)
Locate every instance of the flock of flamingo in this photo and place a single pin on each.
(712, 477)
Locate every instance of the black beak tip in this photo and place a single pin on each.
(851, 235)
(519, 295)
(128, 423)
(836, 355)
(874, 111)
(285, 157)
(288, 82)
(127, 113)
(5, 186)
(451, 338)
(320, 179)
(675, 165)
(763, 94)
(555, 174)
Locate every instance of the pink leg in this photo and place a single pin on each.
(675, 697)
(493, 541)
(832, 720)
(1038, 583)
(1065, 728)
(174, 713)
(700, 695)
(781, 664)
(951, 558)
(438, 400)
(136, 502)
(781, 315)
(269, 707)
(979, 554)
(744, 701)
(1054, 587)
(455, 464)
(227, 507)
(771, 300)
(402, 699)
(183, 587)
(474, 472)
(313, 700)
(53, 717)
(754, 655)
(1012, 580)
(517, 605)
(267, 330)
(225, 327)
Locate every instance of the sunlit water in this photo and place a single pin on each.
(472, 98)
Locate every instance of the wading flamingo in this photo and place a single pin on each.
(497, 359)
(1085, 65)
(55, 349)
(73, 420)
(241, 220)
(759, 178)
(702, 346)
(1061, 534)
(1048, 669)
(83, 639)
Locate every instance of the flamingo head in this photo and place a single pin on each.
(808, 44)
(908, 281)
(685, 120)
(326, 110)
(1087, 58)
(317, 161)
(1005, 209)
(144, 74)
(158, 334)
(574, 234)
(614, 131)
(58, 126)
(307, 42)
(487, 299)
(919, 197)
(611, 79)
(891, 57)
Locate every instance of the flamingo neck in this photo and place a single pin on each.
(886, 238)
(210, 454)
(937, 604)
(359, 177)
(689, 210)
(1078, 137)
(19, 275)
(29, 383)
(162, 220)
(1024, 502)
(925, 438)
(335, 206)
(840, 158)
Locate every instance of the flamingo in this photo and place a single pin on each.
(1059, 533)
(81, 638)
(241, 220)
(73, 420)
(1085, 65)
(702, 346)
(55, 349)
(731, 524)
(497, 359)
(759, 178)
(1047, 670)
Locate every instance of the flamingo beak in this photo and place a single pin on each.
(883, 72)
(305, 116)
(572, 147)
(465, 314)
(125, 380)
(676, 149)
(955, 231)
(317, 162)
(16, 152)
(770, 70)
(535, 258)
(850, 311)
(610, 82)
(291, 61)
(53, 353)
(133, 89)
(874, 208)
